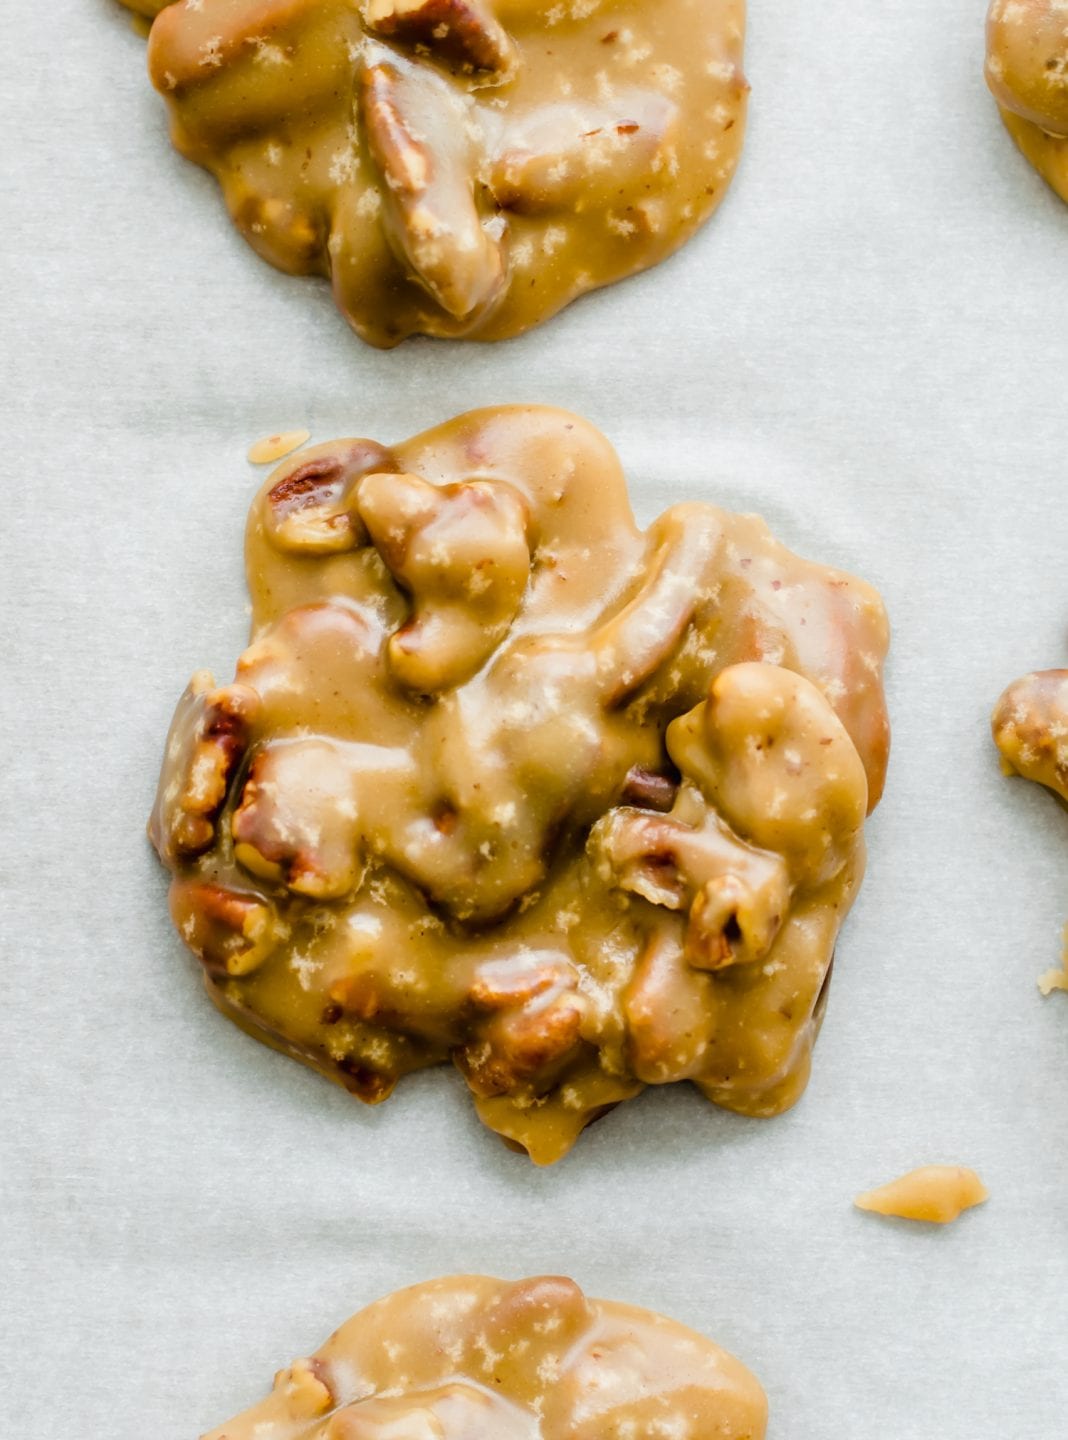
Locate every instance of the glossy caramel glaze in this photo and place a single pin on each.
(1030, 728)
(505, 780)
(470, 1358)
(457, 167)
(1027, 70)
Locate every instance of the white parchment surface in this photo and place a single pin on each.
(869, 345)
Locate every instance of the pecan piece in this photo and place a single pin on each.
(367, 1083)
(208, 738)
(533, 1324)
(298, 822)
(737, 896)
(231, 932)
(667, 1007)
(649, 789)
(770, 754)
(429, 202)
(310, 507)
(461, 552)
(573, 157)
(634, 643)
(536, 1018)
(463, 32)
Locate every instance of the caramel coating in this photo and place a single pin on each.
(937, 1194)
(503, 779)
(1027, 70)
(457, 167)
(1030, 728)
(470, 1358)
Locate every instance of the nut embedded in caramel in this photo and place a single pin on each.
(503, 780)
(457, 167)
(470, 1358)
(1027, 70)
(1030, 728)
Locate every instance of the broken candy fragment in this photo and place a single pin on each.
(936, 1193)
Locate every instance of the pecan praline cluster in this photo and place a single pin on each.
(457, 167)
(491, 1360)
(505, 780)
(1027, 71)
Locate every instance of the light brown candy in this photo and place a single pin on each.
(1027, 70)
(1030, 728)
(937, 1194)
(470, 1358)
(457, 167)
(517, 784)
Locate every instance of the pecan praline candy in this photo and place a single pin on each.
(457, 167)
(471, 1358)
(1027, 70)
(503, 779)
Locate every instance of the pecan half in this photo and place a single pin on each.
(208, 738)
(231, 932)
(669, 1014)
(298, 820)
(462, 32)
(536, 1018)
(737, 896)
(636, 641)
(771, 755)
(311, 507)
(429, 189)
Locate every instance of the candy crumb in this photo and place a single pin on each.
(1056, 979)
(935, 1193)
(276, 447)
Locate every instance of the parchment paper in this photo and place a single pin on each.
(869, 345)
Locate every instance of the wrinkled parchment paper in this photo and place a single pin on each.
(869, 345)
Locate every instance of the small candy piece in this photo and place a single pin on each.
(273, 448)
(936, 1193)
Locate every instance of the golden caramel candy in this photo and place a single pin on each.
(273, 448)
(470, 1358)
(935, 1193)
(457, 167)
(1030, 728)
(1027, 70)
(504, 780)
